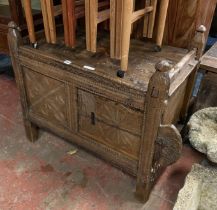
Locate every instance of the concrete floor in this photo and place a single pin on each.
(44, 176)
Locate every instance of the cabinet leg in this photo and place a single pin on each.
(142, 193)
(32, 131)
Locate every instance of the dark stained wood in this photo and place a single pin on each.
(16, 11)
(77, 95)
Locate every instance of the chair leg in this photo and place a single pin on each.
(65, 23)
(91, 13)
(116, 10)
(32, 131)
(51, 20)
(112, 28)
(162, 22)
(151, 21)
(29, 20)
(126, 33)
(45, 20)
(71, 21)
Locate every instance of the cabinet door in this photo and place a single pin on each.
(47, 98)
(110, 123)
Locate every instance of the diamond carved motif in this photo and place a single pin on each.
(46, 97)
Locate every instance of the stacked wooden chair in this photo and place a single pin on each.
(73, 10)
(121, 13)
(49, 12)
(122, 18)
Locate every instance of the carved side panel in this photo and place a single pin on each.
(46, 97)
(110, 123)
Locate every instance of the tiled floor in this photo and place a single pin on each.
(44, 176)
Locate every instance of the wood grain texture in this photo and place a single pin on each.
(184, 17)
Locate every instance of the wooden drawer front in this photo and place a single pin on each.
(110, 123)
(46, 97)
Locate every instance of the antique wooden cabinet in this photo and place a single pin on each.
(129, 122)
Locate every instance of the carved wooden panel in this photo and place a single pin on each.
(111, 112)
(46, 97)
(110, 123)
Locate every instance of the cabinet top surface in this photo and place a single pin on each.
(142, 60)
